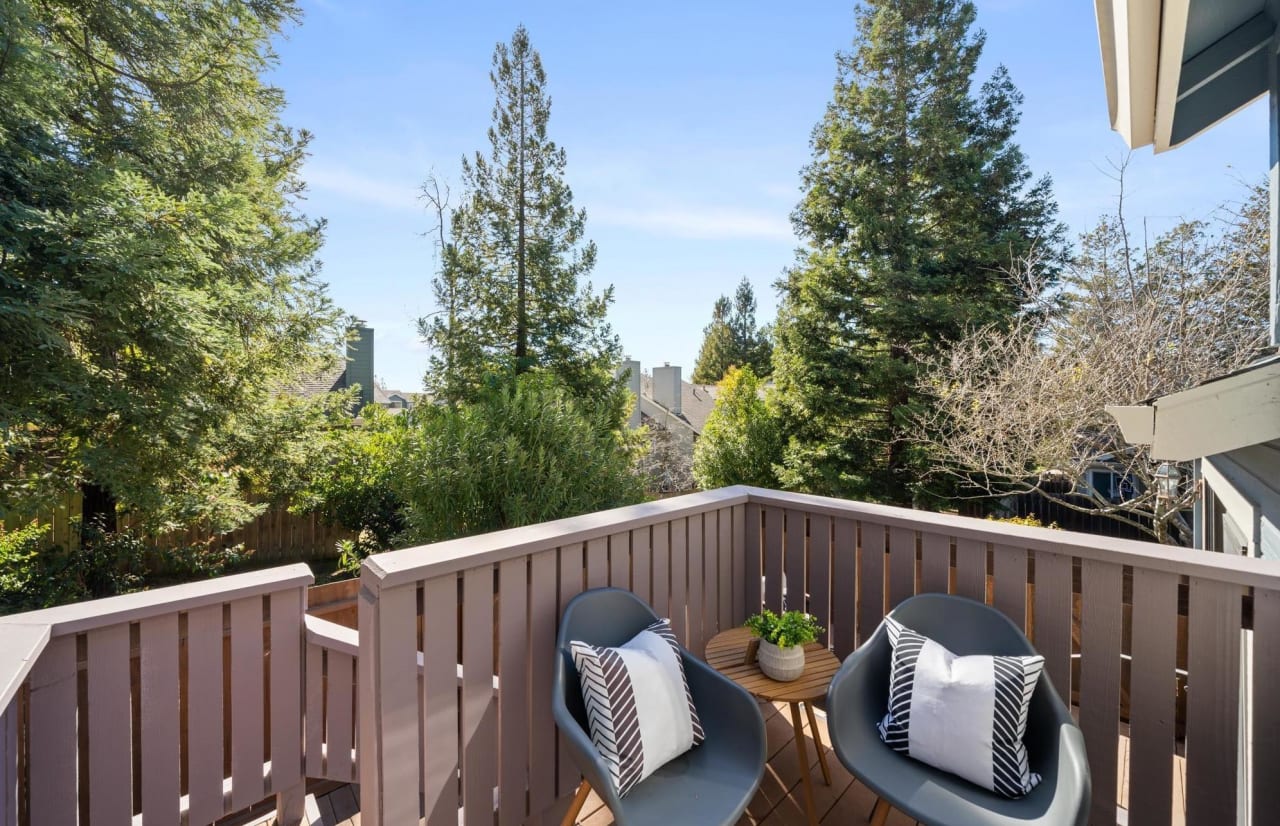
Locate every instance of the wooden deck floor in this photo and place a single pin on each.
(778, 803)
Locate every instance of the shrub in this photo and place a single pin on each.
(524, 451)
(355, 488)
(34, 576)
(742, 441)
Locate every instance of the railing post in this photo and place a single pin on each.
(387, 700)
(288, 680)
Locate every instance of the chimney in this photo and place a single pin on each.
(633, 384)
(666, 387)
(360, 362)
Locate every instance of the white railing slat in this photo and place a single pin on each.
(513, 704)
(1154, 681)
(247, 741)
(158, 643)
(110, 740)
(1100, 626)
(286, 700)
(1213, 700)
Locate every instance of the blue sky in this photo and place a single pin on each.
(686, 126)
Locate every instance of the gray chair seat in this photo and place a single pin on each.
(710, 784)
(858, 698)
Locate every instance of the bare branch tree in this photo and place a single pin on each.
(1021, 408)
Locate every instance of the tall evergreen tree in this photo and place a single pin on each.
(917, 201)
(732, 339)
(157, 287)
(513, 269)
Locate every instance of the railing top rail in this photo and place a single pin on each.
(1237, 570)
(20, 645)
(424, 561)
(98, 613)
(332, 636)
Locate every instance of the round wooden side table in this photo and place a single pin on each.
(727, 653)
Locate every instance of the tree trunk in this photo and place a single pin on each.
(522, 318)
(98, 507)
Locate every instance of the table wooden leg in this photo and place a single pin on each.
(817, 744)
(805, 779)
(571, 816)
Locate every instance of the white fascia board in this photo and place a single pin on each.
(1172, 36)
(1129, 34)
(1218, 416)
(1137, 422)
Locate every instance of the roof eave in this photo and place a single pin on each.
(1141, 42)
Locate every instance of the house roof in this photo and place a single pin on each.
(1223, 414)
(1174, 68)
(326, 382)
(696, 402)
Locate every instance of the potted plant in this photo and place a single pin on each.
(782, 641)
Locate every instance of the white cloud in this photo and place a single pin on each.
(398, 195)
(710, 223)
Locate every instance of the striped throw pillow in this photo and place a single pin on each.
(964, 715)
(639, 707)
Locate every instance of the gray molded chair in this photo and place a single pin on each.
(858, 698)
(710, 784)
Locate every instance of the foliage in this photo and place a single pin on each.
(1030, 520)
(19, 565)
(204, 560)
(667, 466)
(158, 287)
(741, 443)
(356, 487)
(1021, 409)
(350, 554)
(914, 199)
(526, 450)
(732, 339)
(790, 629)
(102, 565)
(513, 263)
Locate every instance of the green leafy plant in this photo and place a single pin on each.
(790, 629)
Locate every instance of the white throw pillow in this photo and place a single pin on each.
(639, 707)
(964, 715)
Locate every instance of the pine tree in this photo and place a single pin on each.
(732, 338)
(917, 200)
(514, 266)
(159, 288)
(717, 352)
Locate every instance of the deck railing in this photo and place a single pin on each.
(122, 712)
(709, 559)
(114, 710)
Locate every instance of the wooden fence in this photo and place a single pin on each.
(277, 535)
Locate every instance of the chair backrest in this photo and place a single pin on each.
(965, 627)
(962, 625)
(602, 616)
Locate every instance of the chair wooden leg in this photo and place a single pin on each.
(880, 813)
(579, 799)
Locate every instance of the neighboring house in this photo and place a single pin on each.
(665, 400)
(1173, 69)
(358, 370)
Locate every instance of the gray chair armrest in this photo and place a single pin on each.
(731, 717)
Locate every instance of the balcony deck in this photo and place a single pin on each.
(227, 696)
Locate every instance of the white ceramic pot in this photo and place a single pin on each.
(781, 664)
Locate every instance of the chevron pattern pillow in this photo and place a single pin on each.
(639, 707)
(964, 715)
